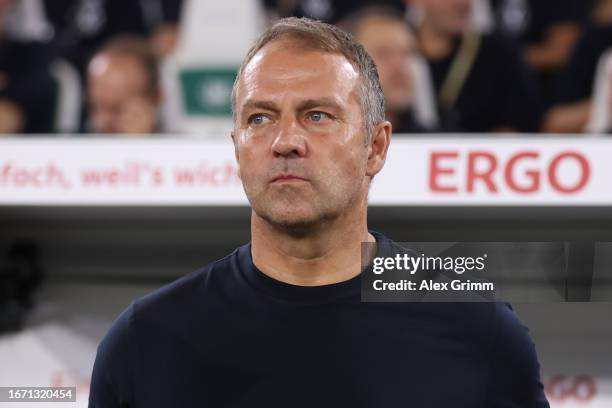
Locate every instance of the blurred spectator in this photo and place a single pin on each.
(482, 81)
(123, 93)
(83, 26)
(27, 90)
(330, 11)
(388, 39)
(573, 105)
(546, 29)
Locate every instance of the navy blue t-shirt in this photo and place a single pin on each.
(230, 336)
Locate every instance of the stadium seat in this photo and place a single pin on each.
(197, 78)
(69, 97)
(425, 111)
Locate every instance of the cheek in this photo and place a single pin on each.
(348, 163)
(251, 163)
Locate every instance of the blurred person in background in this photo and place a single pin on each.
(547, 31)
(71, 31)
(482, 81)
(573, 102)
(387, 38)
(82, 26)
(27, 90)
(123, 91)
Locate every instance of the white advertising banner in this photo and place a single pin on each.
(574, 391)
(432, 171)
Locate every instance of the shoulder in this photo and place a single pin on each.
(169, 301)
(170, 306)
(511, 335)
(181, 293)
(514, 370)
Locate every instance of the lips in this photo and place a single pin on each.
(287, 177)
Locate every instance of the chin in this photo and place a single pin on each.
(294, 219)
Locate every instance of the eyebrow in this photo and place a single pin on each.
(313, 103)
(255, 104)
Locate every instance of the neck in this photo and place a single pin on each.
(434, 42)
(327, 254)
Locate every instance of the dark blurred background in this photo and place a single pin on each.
(155, 66)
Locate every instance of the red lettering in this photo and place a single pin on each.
(561, 388)
(435, 170)
(484, 175)
(113, 176)
(522, 173)
(532, 175)
(585, 172)
(584, 388)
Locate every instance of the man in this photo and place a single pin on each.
(482, 82)
(279, 322)
(387, 38)
(123, 92)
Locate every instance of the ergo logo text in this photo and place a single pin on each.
(523, 172)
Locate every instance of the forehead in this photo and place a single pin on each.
(121, 71)
(284, 67)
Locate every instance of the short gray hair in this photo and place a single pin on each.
(317, 35)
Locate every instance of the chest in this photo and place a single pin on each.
(352, 356)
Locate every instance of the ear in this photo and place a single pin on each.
(233, 135)
(377, 149)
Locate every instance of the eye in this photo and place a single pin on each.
(317, 116)
(257, 119)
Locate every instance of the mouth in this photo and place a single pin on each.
(287, 178)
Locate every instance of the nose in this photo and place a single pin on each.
(290, 140)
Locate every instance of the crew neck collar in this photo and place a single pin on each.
(304, 294)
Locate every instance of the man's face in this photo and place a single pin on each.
(391, 45)
(115, 82)
(298, 114)
(450, 16)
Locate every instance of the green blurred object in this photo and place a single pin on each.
(207, 91)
